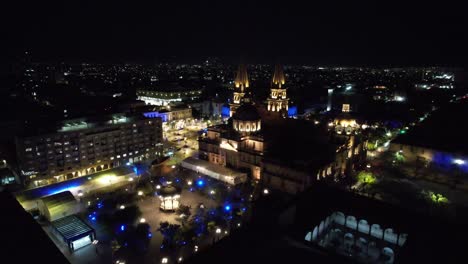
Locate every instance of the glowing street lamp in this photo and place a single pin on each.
(218, 230)
(164, 260)
(142, 220)
(140, 193)
(122, 207)
(266, 191)
(459, 161)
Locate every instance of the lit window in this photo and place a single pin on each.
(28, 149)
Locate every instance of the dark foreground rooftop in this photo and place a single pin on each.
(22, 239)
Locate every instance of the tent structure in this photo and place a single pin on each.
(214, 171)
(58, 205)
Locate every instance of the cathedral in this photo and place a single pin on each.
(281, 153)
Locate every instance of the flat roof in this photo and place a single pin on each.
(71, 227)
(213, 167)
(442, 130)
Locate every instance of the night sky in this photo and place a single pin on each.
(333, 33)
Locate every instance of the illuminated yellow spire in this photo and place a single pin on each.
(278, 76)
(242, 79)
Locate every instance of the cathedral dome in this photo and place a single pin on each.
(246, 119)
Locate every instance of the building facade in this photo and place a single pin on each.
(84, 146)
(243, 143)
(171, 96)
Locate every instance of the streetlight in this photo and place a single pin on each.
(189, 183)
(122, 207)
(140, 193)
(142, 220)
(164, 260)
(266, 191)
(158, 186)
(218, 230)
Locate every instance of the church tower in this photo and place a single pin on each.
(241, 83)
(278, 99)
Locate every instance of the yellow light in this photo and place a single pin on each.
(106, 179)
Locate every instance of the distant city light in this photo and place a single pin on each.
(122, 207)
(164, 260)
(158, 186)
(140, 193)
(266, 191)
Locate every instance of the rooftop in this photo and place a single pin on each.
(68, 125)
(71, 227)
(442, 130)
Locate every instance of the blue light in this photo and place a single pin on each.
(122, 228)
(292, 111)
(150, 235)
(225, 111)
(93, 218)
(227, 208)
(99, 205)
(135, 169)
(200, 183)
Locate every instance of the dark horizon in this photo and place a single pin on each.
(322, 34)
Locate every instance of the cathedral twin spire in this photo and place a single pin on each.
(277, 100)
(242, 79)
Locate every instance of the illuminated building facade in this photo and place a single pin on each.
(81, 147)
(241, 83)
(249, 144)
(172, 94)
(278, 99)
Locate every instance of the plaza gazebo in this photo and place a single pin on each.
(169, 196)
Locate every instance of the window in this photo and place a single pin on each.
(28, 150)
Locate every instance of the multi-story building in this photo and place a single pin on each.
(169, 94)
(84, 146)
